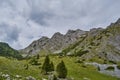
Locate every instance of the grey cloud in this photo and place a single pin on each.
(10, 34)
(39, 17)
(25, 20)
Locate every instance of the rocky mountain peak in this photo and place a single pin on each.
(103, 43)
(114, 27)
(70, 32)
(57, 34)
(95, 29)
(57, 42)
(118, 21)
(43, 38)
(74, 31)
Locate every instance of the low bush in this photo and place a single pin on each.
(118, 66)
(110, 68)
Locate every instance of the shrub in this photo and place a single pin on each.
(54, 77)
(110, 68)
(98, 68)
(26, 67)
(118, 66)
(37, 56)
(84, 66)
(113, 62)
(34, 61)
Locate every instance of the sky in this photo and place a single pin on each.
(23, 21)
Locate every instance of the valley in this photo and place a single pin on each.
(76, 70)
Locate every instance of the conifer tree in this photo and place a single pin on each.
(54, 77)
(38, 56)
(46, 66)
(61, 70)
(51, 66)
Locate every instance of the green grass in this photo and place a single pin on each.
(15, 67)
(78, 71)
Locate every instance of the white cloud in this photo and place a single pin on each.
(22, 21)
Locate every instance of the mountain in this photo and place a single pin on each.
(7, 51)
(54, 44)
(98, 43)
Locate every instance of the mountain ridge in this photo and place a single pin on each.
(98, 42)
(57, 42)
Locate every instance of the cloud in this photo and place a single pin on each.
(22, 21)
(9, 34)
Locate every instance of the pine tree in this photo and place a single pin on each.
(54, 77)
(51, 66)
(61, 70)
(46, 66)
(38, 56)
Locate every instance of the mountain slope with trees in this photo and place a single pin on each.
(7, 51)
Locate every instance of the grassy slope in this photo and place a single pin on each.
(14, 67)
(75, 70)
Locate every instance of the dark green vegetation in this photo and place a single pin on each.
(7, 51)
(34, 61)
(61, 70)
(110, 68)
(118, 65)
(47, 66)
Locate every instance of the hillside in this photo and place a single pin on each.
(7, 51)
(98, 43)
(54, 44)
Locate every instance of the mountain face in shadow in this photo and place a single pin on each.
(7, 51)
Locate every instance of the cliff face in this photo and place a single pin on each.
(54, 44)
